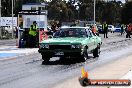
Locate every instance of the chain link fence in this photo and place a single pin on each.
(6, 33)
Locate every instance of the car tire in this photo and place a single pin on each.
(84, 55)
(62, 59)
(96, 51)
(45, 58)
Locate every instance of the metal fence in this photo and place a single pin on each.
(6, 33)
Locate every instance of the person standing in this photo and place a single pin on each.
(94, 30)
(129, 29)
(32, 35)
(17, 28)
(105, 29)
(122, 29)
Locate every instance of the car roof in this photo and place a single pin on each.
(75, 27)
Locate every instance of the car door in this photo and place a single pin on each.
(91, 42)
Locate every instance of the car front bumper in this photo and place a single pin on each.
(59, 52)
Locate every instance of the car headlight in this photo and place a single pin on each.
(73, 46)
(76, 46)
(44, 46)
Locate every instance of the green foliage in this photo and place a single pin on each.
(60, 10)
(126, 13)
(109, 12)
(112, 11)
(6, 7)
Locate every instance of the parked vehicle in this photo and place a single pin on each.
(117, 29)
(9, 29)
(111, 28)
(100, 30)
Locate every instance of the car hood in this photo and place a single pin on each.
(67, 40)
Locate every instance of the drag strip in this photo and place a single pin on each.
(10, 42)
(28, 72)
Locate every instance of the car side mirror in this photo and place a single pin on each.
(50, 36)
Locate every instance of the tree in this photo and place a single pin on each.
(100, 5)
(126, 13)
(108, 11)
(86, 9)
(60, 10)
(6, 9)
(111, 12)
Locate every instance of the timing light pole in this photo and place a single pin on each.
(12, 21)
(0, 20)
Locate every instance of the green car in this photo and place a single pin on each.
(71, 42)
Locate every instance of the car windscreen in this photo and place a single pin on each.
(70, 32)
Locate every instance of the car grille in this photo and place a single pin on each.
(66, 47)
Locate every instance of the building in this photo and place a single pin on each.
(34, 6)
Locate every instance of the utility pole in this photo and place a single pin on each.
(12, 21)
(94, 10)
(0, 20)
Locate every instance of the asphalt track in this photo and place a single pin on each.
(28, 71)
(7, 42)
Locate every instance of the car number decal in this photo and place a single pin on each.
(59, 53)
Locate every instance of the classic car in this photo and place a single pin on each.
(71, 42)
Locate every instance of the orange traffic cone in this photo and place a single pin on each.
(84, 73)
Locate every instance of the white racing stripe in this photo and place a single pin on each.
(25, 50)
(14, 49)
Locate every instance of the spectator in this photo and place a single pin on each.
(105, 29)
(32, 35)
(122, 29)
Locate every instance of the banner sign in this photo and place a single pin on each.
(33, 12)
(40, 19)
(7, 21)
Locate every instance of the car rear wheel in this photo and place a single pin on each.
(45, 58)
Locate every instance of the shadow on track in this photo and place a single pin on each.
(65, 61)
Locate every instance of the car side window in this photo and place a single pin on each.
(89, 32)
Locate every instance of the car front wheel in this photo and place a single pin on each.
(84, 56)
(45, 58)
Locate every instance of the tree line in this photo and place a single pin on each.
(112, 12)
